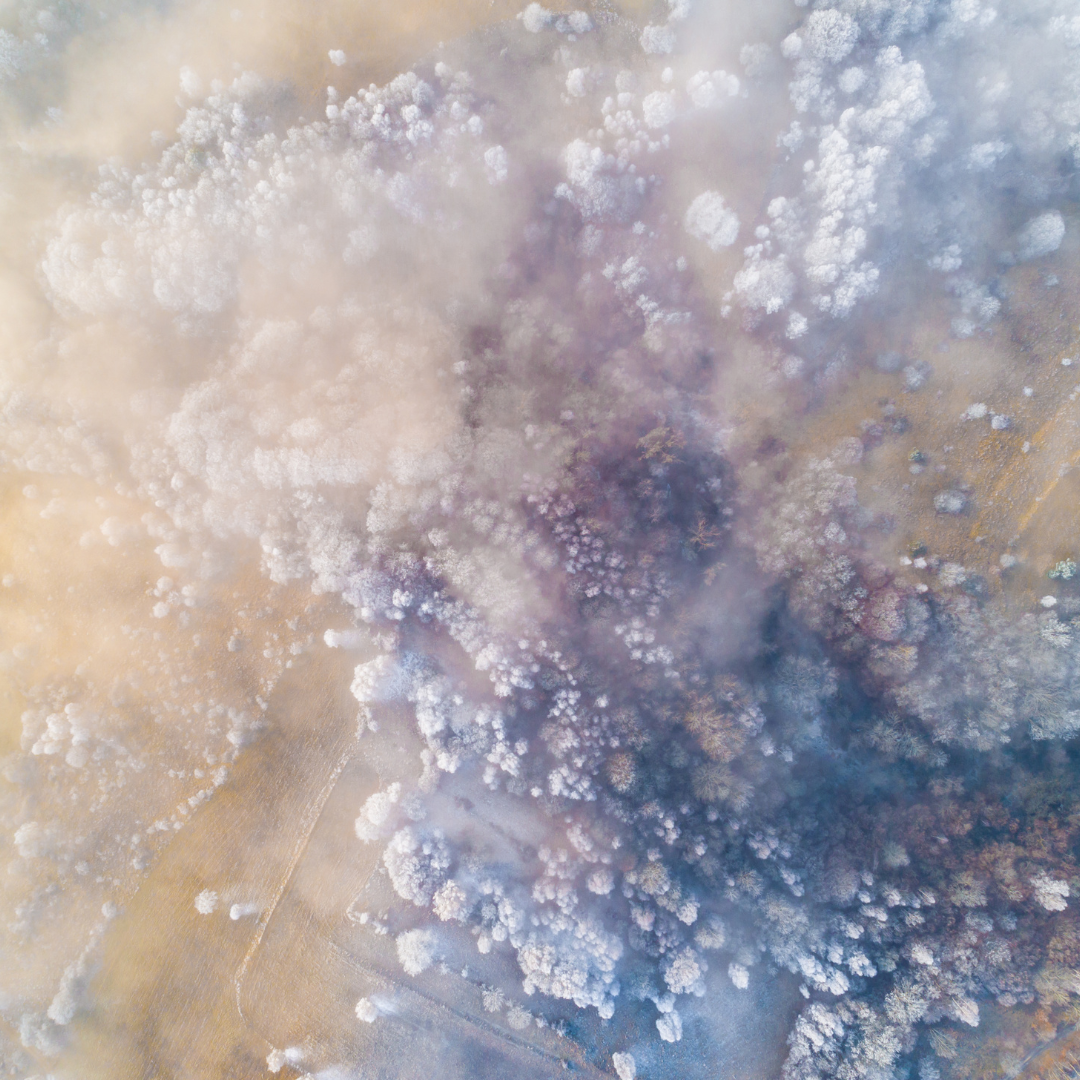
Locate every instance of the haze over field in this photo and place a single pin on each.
(540, 539)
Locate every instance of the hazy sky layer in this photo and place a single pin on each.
(550, 528)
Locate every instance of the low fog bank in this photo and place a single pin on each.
(664, 414)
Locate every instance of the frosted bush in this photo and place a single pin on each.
(670, 1027)
(950, 502)
(416, 953)
(535, 18)
(658, 40)
(1051, 894)
(206, 902)
(416, 864)
(710, 219)
(765, 284)
(1041, 236)
(658, 109)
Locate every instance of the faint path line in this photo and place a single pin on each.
(308, 820)
(1047, 1045)
(467, 1018)
(1012, 474)
(1033, 509)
